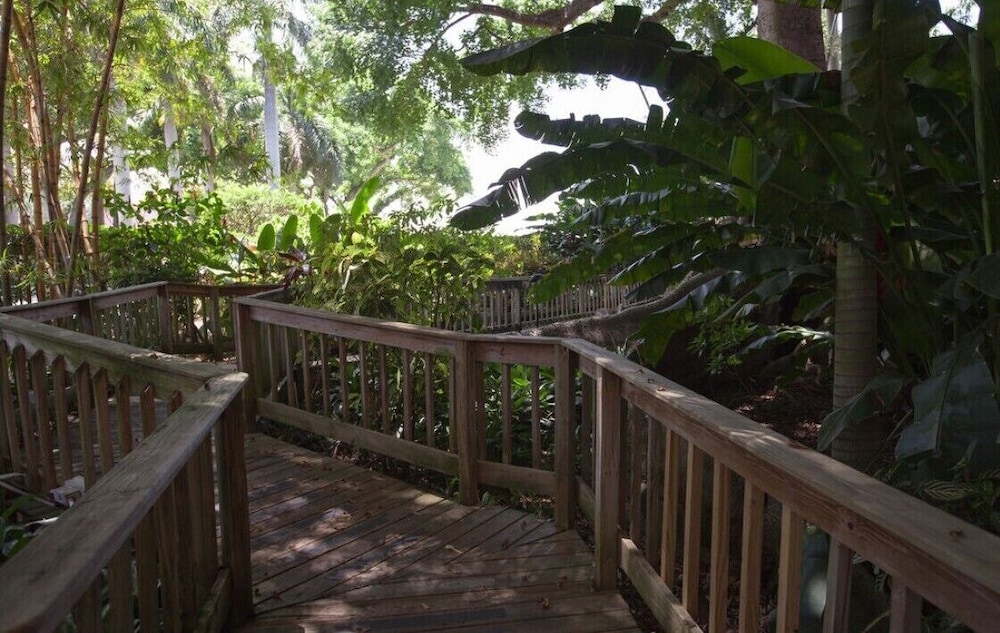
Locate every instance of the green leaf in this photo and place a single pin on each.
(986, 276)
(956, 406)
(266, 238)
(362, 202)
(286, 238)
(759, 58)
(316, 229)
(881, 391)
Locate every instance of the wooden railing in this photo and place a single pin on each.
(172, 317)
(671, 480)
(504, 305)
(159, 443)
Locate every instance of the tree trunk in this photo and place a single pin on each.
(119, 158)
(855, 319)
(798, 29)
(173, 151)
(208, 152)
(6, 296)
(271, 131)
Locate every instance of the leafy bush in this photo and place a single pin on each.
(180, 237)
(250, 207)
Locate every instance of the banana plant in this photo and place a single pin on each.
(753, 167)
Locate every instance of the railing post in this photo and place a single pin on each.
(215, 326)
(464, 423)
(88, 317)
(246, 359)
(607, 495)
(234, 514)
(566, 363)
(163, 314)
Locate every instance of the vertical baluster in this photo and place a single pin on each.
(637, 451)
(838, 588)
(125, 439)
(324, 375)
(145, 536)
(27, 419)
(671, 499)
(87, 611)
(61, 407)
(306, 348)
(383, 390)
(692, 529)
(273, 357)
(85, 395)
(12, 448)
(288, 345)
(719, 580)
(105, 439)
(429, 398)
(751, 558)
(345, 392)
(789, 569)
(407, 370)
(607, 485)
(508, 419)
(536, 419)
(40, 386)
(906, 607)
(366, 392)
(587, 430)
(654, 489)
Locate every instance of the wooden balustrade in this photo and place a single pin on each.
(504, 305)
(142, 540)
(676, 486)
(173, 317)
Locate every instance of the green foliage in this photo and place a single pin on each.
(249, 207)
(175, 238)
(403, 267)
(756, 169)
(718, 341)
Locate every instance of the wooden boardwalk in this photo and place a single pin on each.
(339, 548)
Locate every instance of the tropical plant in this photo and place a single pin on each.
(402, 266)
(755, 170)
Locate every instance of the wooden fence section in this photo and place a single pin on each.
(504, 305)
(141, 544)
(172, 317)
(678, 488)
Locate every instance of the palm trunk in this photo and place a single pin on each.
(798, 29)
(6, 295)
(170, 137)
(208, 152)
(271, 131)
(855, 340)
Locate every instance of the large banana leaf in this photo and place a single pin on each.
(551, 172)
(954, 408)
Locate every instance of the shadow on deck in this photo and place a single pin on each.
(339, 548)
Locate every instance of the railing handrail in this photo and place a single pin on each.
(57, 567)
(940, 556)
(166, 373)
(951, 563)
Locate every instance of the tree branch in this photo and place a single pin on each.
(611, 331)
(552, 19)
(664, 11)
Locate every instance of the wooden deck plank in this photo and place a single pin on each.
(340, 548)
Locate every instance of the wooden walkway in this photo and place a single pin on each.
(339, 548)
